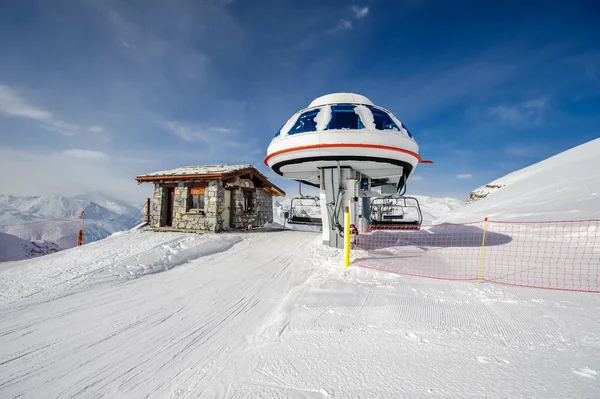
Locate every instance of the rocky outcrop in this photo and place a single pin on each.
(483, 191)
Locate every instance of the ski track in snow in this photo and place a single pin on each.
(361, 333)
(166, 334)
(271, 315)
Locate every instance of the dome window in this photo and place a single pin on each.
(306, 123)
(343, 117)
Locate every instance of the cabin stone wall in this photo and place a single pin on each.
(264, 206)
(158, 211)
(263, 210)
(212, 217)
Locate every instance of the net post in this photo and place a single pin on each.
(147, 210)
(480, 268)
(82, 227)
(347, 237)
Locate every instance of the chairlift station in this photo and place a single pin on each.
(347, 146)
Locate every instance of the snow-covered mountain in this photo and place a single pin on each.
(108, 202)
(563, 187)
(50, 223)
(15, 210)
(15, 248)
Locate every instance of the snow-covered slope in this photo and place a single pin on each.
(14, 248)
(563, 187)
(275, 315)
(55, 219)
(434, 207)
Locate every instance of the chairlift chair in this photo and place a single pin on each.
(395, 213)
(298, 210)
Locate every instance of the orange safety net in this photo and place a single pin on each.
(561, 255)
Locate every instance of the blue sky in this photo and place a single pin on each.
(94, 92)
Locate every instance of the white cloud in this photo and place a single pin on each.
(523, 114)
(199, 133)
(64, 128)
(214, 139)
(415, 178)
(13, 105)
(85, 154)
(360, 12)
(464, 176)
(128, 45)
(535, 150)
(96, 129)
(35, 173)
(343, 24)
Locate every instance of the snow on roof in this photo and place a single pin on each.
(340, 98)
(208, 170)
(200, 170)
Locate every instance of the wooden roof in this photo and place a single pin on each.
(221, 172)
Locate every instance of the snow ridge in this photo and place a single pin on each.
(563, 187)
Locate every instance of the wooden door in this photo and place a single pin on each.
(170, 204)
(227, 210)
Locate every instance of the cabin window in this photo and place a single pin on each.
(248, 201)
(382, 120)
(344, 117)
(306, 122)
(196, 199)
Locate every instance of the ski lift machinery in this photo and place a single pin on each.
(359, 156)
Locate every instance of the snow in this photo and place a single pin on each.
(84, 333)
(274, 314)
(433, 208)
(563, 187)
(120, 257)
(288, 125)
(322, 119)
(340, 98)
(366, 117)
(199, 170)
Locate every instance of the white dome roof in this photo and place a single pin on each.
(340, 98)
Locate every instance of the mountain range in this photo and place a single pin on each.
(44, 224)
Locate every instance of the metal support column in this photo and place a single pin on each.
(334, 201)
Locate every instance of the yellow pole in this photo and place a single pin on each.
(480, 269)
(347, 237)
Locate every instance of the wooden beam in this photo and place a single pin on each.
(178, 177)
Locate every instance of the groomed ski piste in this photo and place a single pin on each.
(274, 314)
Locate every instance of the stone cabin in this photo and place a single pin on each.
(211, 198)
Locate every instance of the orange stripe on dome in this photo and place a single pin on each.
(351, 145)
